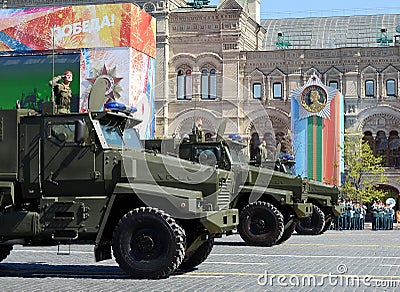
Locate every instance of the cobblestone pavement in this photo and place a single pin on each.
(335, 261)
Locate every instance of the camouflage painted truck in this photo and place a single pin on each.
(267, 202)
(84, 178)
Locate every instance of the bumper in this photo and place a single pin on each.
(303, 209)
(221, 221)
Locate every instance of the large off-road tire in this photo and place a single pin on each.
(328, 223)
(288, 231)
(312, 225)
(261, 224)
(199, 256)
(5, 251)
(148, 243)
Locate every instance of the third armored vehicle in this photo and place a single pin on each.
(323, 196)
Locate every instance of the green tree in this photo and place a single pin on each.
(363, 170)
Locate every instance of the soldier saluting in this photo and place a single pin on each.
(62, 91)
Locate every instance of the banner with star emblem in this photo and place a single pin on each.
(317, 130)
(130, 78)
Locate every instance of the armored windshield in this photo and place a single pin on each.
(121, 136)
(116, 130)
(238, 152)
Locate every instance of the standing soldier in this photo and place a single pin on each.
(357, 213)
(342, 217)
(62, 91)
(380, 215)
(349, 208)
(388, 217)
(374, 211)
(391, 218)
(362, 216)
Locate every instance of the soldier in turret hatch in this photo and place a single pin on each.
(62, 91)
(255, 142)
(197, 131)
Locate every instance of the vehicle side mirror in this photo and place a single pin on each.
(80, 129)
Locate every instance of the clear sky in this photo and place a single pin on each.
(313, 8)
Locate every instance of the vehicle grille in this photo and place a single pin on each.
(224, 196)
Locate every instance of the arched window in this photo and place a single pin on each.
(369, 88)
(208, 84)
(394, 149)
(257, 91)
(277, 90)
(184, 84)
(369, 139)
(381, 146)
(390, 87)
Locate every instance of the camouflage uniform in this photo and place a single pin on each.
(63, 94)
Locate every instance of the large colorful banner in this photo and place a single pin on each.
(130, 79)
(75, 27)
(317, 129)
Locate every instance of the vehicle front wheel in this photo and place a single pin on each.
(148, 243)
(287, 233)
(328, 223)
(312, 225)
(5, 251)
(261, 224)
(199, 256)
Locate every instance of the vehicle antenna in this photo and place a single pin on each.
(53, 50)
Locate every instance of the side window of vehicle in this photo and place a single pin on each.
(208, 156)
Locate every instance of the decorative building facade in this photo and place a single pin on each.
(224, 62)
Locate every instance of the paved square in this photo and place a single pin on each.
(335, 261)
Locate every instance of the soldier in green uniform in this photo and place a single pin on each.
(342, 217)
(388, 217)
(385, 216)
(381, 210)
(349, 209)
(62, 91)
(391, 218)
(357, 214)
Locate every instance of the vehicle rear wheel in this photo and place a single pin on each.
(199, 255)
(148, 243)
(5, 251)
(288, 231)
(313, 224)
(261, 224)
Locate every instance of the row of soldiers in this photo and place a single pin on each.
(382, 216)
(353, 217)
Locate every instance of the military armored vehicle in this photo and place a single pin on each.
(84, 178)
(269, 204)
(324, 198)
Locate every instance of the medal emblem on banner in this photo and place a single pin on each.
(315, 98)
